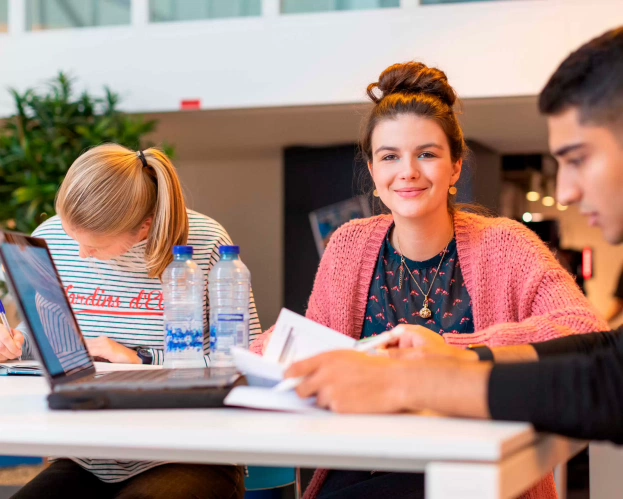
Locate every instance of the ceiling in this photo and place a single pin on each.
(507, 125)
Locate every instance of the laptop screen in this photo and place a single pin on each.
(51, 322)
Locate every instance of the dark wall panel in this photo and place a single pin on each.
(314, 178)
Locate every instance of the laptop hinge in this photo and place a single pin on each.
(63, 378)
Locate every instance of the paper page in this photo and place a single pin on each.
(258, 370)
(264, 398)
(296, 338)
(100, 367)
(20, 363)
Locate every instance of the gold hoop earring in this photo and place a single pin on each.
(452, 190)
(375, 193)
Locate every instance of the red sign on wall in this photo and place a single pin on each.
(587, 263)
(190, 105)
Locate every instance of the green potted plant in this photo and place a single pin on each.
(48, 131)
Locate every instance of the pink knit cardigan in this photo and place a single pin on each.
(520, 293)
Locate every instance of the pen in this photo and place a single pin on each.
(5, 321)
(365, 345)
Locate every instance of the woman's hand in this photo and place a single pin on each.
(112, 351)
(352, 382)
(10, 347)
(418, 342)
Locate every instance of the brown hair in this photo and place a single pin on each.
(591, 80)
(414, 88)
(109, 191)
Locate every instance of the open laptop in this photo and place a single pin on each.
(60, 347)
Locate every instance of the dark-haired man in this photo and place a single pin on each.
(576, 387)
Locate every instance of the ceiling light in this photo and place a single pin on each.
(527, 217)
(561, 207)
(536, 186)
(548, 201)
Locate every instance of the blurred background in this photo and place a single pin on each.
(260, 104)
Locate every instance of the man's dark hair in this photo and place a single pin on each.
(590, 79)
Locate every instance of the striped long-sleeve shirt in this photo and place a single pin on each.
(116, 298)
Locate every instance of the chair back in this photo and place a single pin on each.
(263, 478)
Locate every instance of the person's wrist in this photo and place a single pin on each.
(455, 388)
(468, 355)
(143, 356)
(408, 398)
(483, 352)
(476, 404)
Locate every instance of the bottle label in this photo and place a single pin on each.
(183, 337)
(228, 331)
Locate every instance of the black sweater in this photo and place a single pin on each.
(576, 388)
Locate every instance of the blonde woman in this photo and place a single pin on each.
(120, 212)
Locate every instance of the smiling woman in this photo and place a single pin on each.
(414, 148)
(428, 266)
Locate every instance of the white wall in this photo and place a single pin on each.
(488, 49)
(243, 191)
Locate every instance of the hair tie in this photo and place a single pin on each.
(141, 156)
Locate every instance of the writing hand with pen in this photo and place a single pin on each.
(11, 340)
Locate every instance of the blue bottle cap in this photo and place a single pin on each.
(229, 250)
(182, 250)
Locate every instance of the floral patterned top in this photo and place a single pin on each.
(390, 304)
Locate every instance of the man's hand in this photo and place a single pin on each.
(10, 347)
(112, 351)
(418, 342)
(352, 382)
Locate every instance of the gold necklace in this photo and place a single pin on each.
(425, 312)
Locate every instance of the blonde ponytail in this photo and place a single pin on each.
(109, 191)
(170, 221)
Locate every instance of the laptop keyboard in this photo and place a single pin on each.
(114, 377)
(147, 379)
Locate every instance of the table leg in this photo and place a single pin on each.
(503, 480)
(606, 463)
(560, 476)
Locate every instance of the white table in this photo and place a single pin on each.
(462, 459)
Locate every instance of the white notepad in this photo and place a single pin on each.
(264, 398)
(294, 338)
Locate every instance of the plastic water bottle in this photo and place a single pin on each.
(229, 285)
(183, 289)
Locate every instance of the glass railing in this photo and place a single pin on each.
(191, 10)
(58, 14)
(303, 6)
(4, 16)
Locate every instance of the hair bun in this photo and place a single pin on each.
(413, 78)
